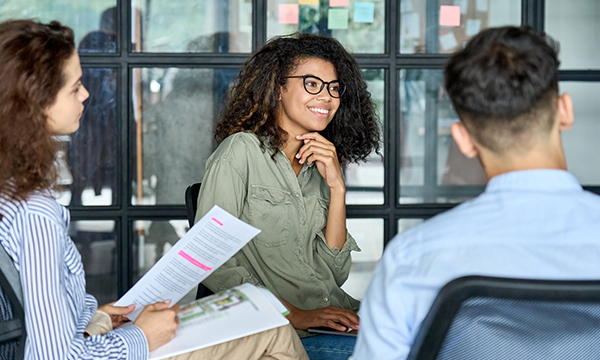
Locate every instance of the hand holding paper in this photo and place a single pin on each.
(206, 246)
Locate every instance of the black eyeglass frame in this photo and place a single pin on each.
(323, 83)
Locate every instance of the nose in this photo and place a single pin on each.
(84, 94)
(324, 95)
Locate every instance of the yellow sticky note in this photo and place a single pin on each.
(308, 2)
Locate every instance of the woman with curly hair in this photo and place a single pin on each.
(41, 96)
(298, 109)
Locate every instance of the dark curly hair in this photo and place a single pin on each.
(32, 57)
(252, 102)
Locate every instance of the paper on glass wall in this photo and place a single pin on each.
(473, 26)
(448, 41)
(364, 12)
(411, 25)
(482, 5)
(337, 19)
(308, 2)
(464, 5)
(288, 13)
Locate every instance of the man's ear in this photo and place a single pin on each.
(463, 140)
(566, 116)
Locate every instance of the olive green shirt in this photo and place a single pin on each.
(290, 256)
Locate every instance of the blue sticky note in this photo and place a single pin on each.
(364, 12)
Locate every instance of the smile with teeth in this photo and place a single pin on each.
(319, 110)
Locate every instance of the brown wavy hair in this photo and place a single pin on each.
(252, 102)
(32, 57)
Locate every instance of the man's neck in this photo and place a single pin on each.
(536, 158)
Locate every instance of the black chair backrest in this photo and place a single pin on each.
(12, 316)
(191, 205)
(478, 317)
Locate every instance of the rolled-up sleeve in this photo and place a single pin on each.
(338, 260)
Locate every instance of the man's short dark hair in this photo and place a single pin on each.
(504, 86)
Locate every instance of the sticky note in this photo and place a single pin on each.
(482, 5)
(288, 13)
(406, 6)
(473, 26)
(410, 25)
(308, 2)
(364, 12)
(333, 3)
(448, 41)
(464, 5)
(337, 19)
(449, 15)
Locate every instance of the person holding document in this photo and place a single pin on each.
(298, 110)
(41, 96)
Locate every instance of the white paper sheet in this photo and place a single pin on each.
(464, 5)
(205, 247)
(482, 5)
(448, 41)
(231, 314)
(473, 26)
(411, 25)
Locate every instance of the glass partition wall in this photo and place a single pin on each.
(157, 72)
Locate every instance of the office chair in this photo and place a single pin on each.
(12, 316)
(482, 318)
(191, 205)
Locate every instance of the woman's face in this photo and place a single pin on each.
(301, 112)
(64, 114)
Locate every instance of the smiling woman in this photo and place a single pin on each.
(298, 109)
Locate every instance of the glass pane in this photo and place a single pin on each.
(221, 26)
(432, 169)
(175, 110)
(575, 25)
(364, 181)
(153, 239)
(359, 26)
(581, 141)
(94, 22)
(96, 241)
(405, 224)
(443, 26)
(369, 236)
(90, 178)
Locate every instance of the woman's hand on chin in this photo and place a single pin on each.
(321, 151)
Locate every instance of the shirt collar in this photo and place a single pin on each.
(534, 180)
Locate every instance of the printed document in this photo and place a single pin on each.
(205, 247)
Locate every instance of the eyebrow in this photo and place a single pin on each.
(77, 82)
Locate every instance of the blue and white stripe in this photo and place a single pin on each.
(57, 309)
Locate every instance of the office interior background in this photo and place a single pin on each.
(157, 72)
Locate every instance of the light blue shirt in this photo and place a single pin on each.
(537, 224)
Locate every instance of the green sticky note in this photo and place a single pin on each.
(337, 19)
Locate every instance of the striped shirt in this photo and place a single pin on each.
(57, 309)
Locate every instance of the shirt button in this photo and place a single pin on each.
(297, 195)
(299, 252)
(326, 299)
(303, 222)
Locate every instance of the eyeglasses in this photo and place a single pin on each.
(313, 85)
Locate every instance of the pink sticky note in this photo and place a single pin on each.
(450, 15)
(339, 3)
(288, 13)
